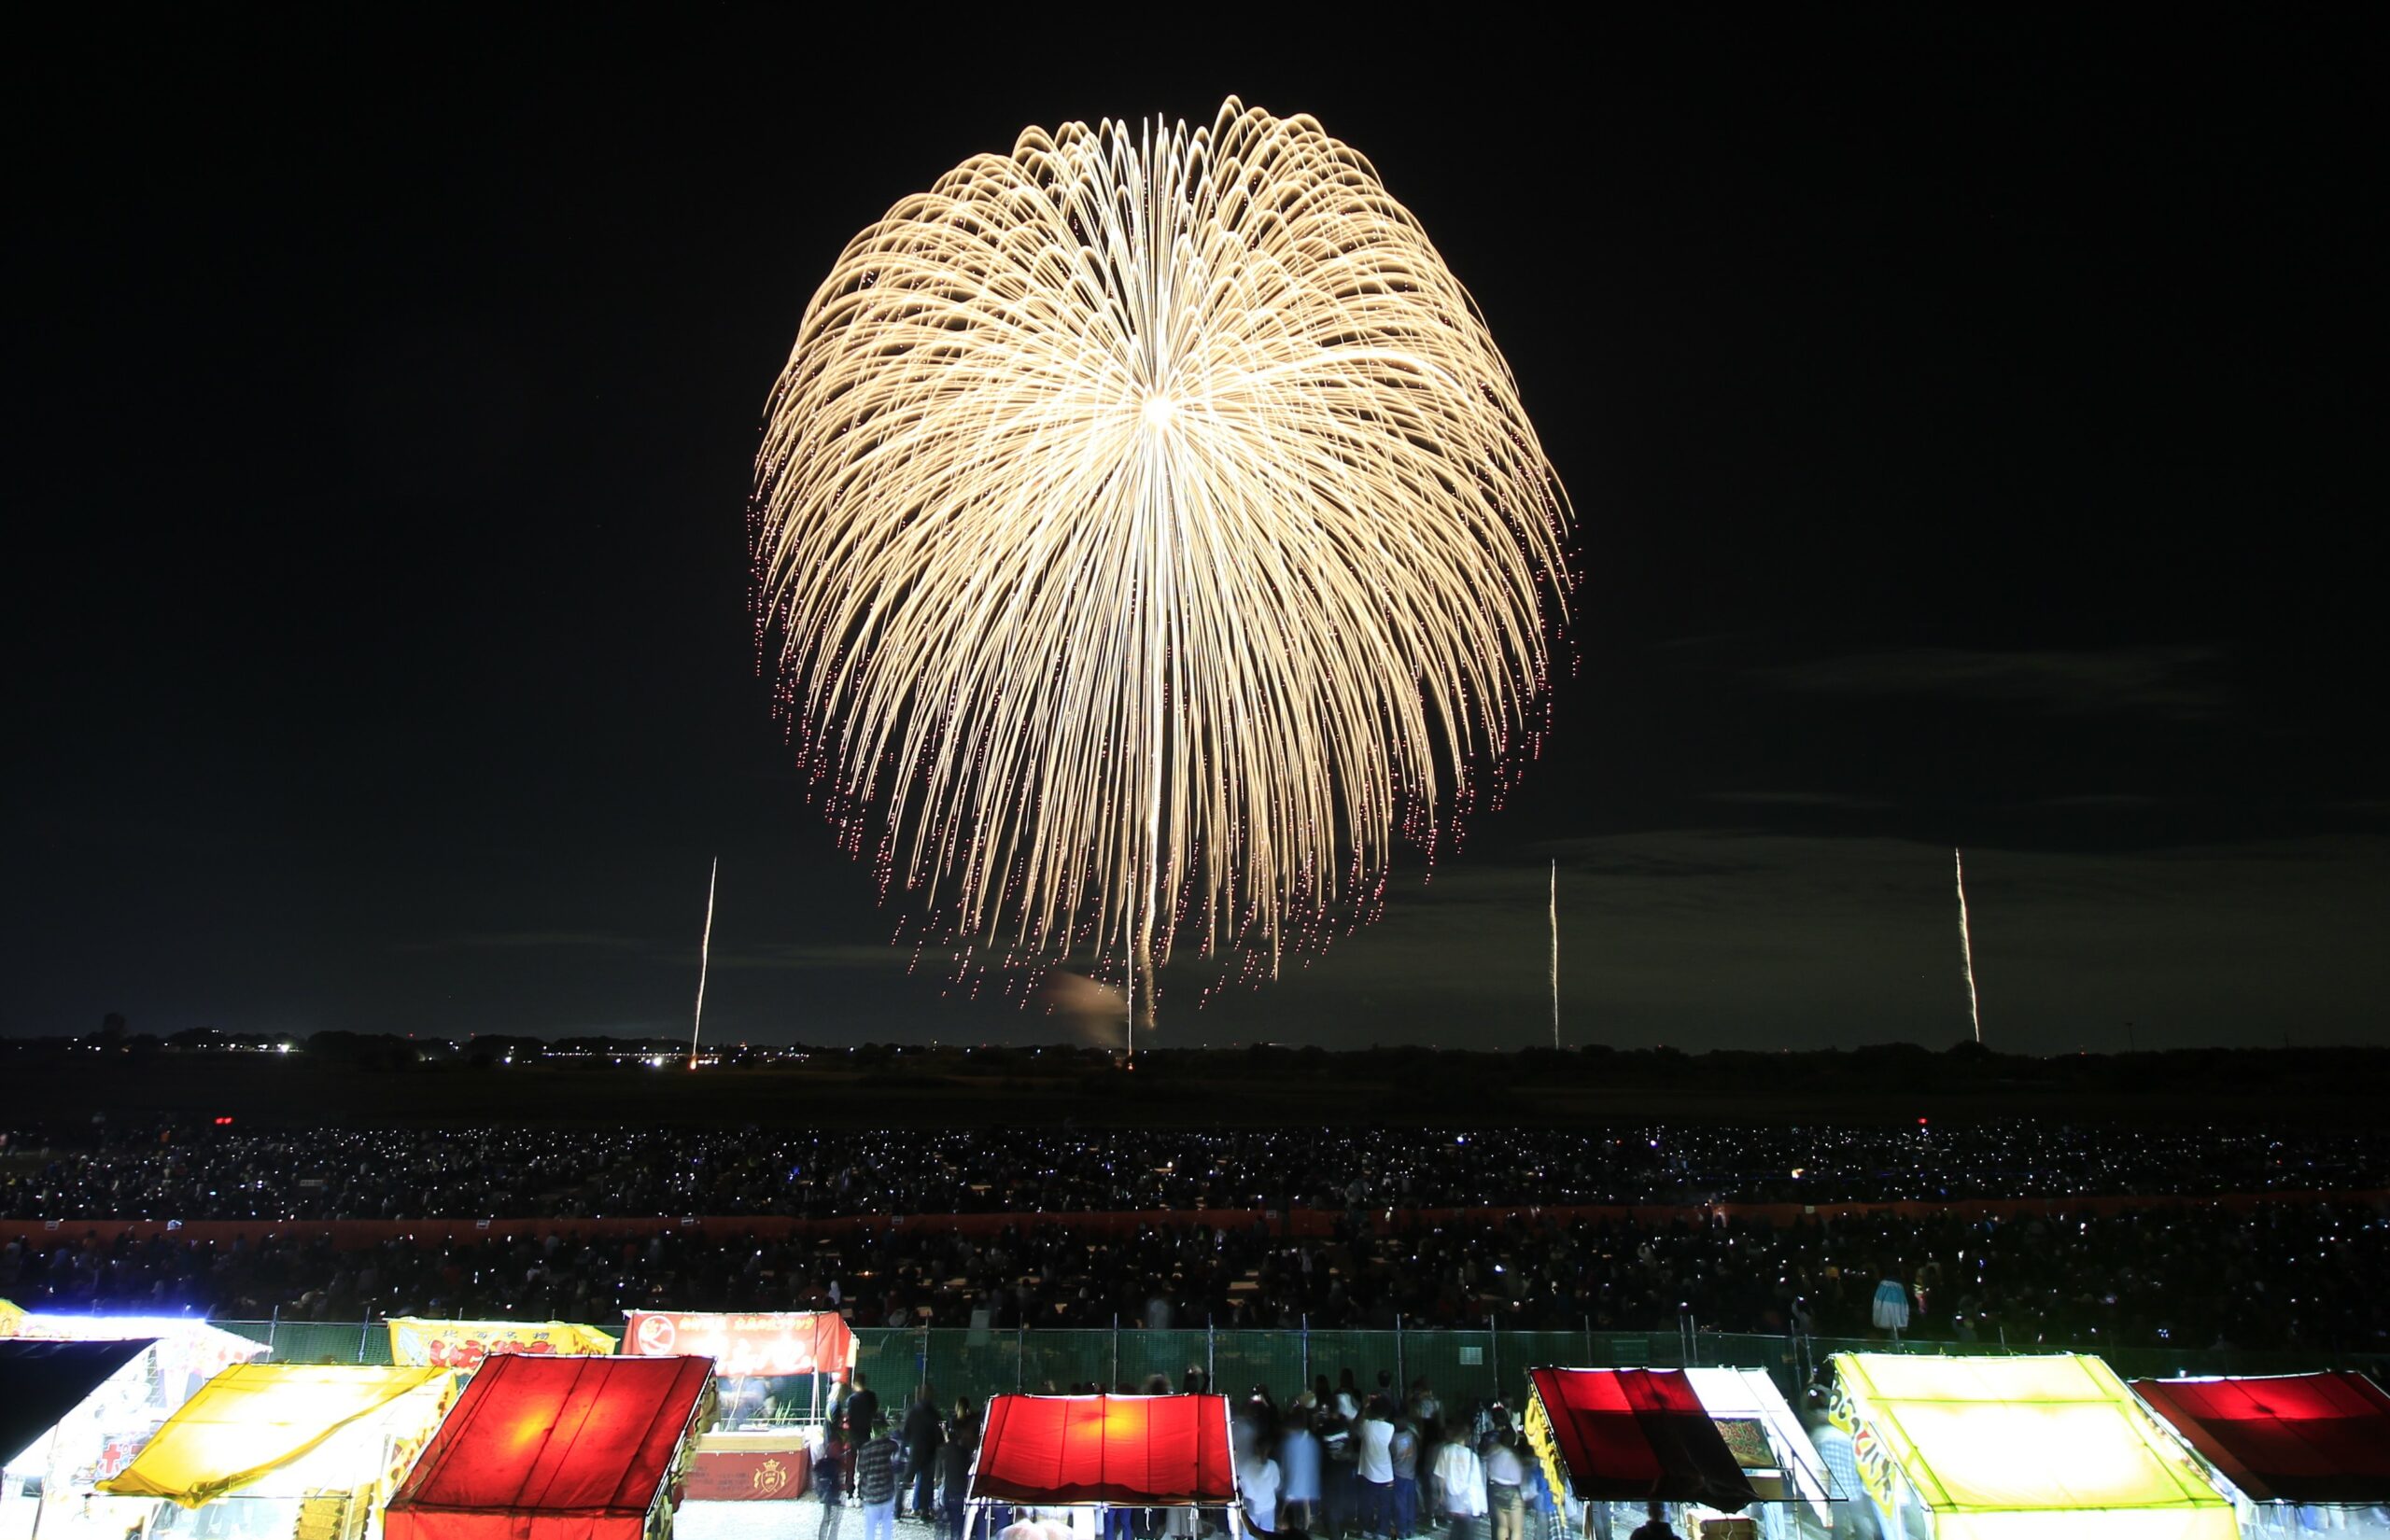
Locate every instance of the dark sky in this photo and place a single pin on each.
(1966, 423)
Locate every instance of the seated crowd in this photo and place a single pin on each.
(486, 1173)
(2280, 1273)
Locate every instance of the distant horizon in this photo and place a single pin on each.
(234, 1040)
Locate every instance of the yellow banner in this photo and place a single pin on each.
(463, 1344)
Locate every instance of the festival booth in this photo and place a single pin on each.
(58, 1402)
(1071, 1459)
(188, 1352)
(162, 1361)
(2018, 1448)
(760, 1446)
(2298, 1454)
(1720, 1444)
(280, 1451)
(558, 1448)
(463, 1344)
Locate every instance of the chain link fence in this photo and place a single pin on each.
(1461, 1365)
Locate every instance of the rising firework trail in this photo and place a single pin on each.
(705, 950)
(1967, 945)
(1146, 532)
(1555, 952)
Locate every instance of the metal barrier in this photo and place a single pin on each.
(1461, 1365)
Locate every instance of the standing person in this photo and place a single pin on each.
(1854, 1513)
(1505, 1478)
(1299, 1468)
(954, 1472)
(875, 1483)
(862, 1412)
(1403, 1454)
(1373, 1467)
(922, 1438)
(1338, 1487)
(1460, 1485)
(829, 1478)
(1888, 1308)
(1656, 1527)
(1257, 1478)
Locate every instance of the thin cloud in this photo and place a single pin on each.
(524, 940)
(2182, 682)
(1837, 801)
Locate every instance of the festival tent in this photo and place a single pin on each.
(41, 1382)
(61, 1415)
(2019, 1449)
(163, 1361)
(1093, 1453)
(2299, 1453)
(191, 1352)
(1630, 1435)
(463, 1344)
(557, 1448)
(304, 1450)
(1769, 1444)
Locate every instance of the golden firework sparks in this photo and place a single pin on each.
(1152, 534)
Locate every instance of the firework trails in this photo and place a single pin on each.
(1151, 535)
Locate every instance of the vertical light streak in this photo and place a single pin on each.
(705, 950)
(1967, 945)
(1148, 535)
(1555, 952)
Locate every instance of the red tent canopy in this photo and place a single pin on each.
(1143, 1451)
(1628, 1436)
(2297, 1438)
(551, 1449)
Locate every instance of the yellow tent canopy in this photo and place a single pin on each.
(9, 1316)
(1999, 1449)
(254, 1419)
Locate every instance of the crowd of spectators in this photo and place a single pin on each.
(2277, 1274)
(525, 1173)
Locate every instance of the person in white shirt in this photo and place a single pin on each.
(1460, 1486)
(1374, 1456)
(1257, 1478)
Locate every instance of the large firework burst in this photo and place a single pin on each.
(1152, 535)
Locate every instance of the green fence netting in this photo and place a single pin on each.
(1460, 1365)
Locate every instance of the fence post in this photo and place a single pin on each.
(1306, 1375)
(1494, 1356)
(1020, 1356)
(1116, 1348)
(364, 1334)
(1589, 1341)
(1401, 1375)
(1211, 1363)
(271, 1326)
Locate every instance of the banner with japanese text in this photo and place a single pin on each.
(463, 1344)
(759, 1343)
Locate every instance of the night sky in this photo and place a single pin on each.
(1967, 426)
